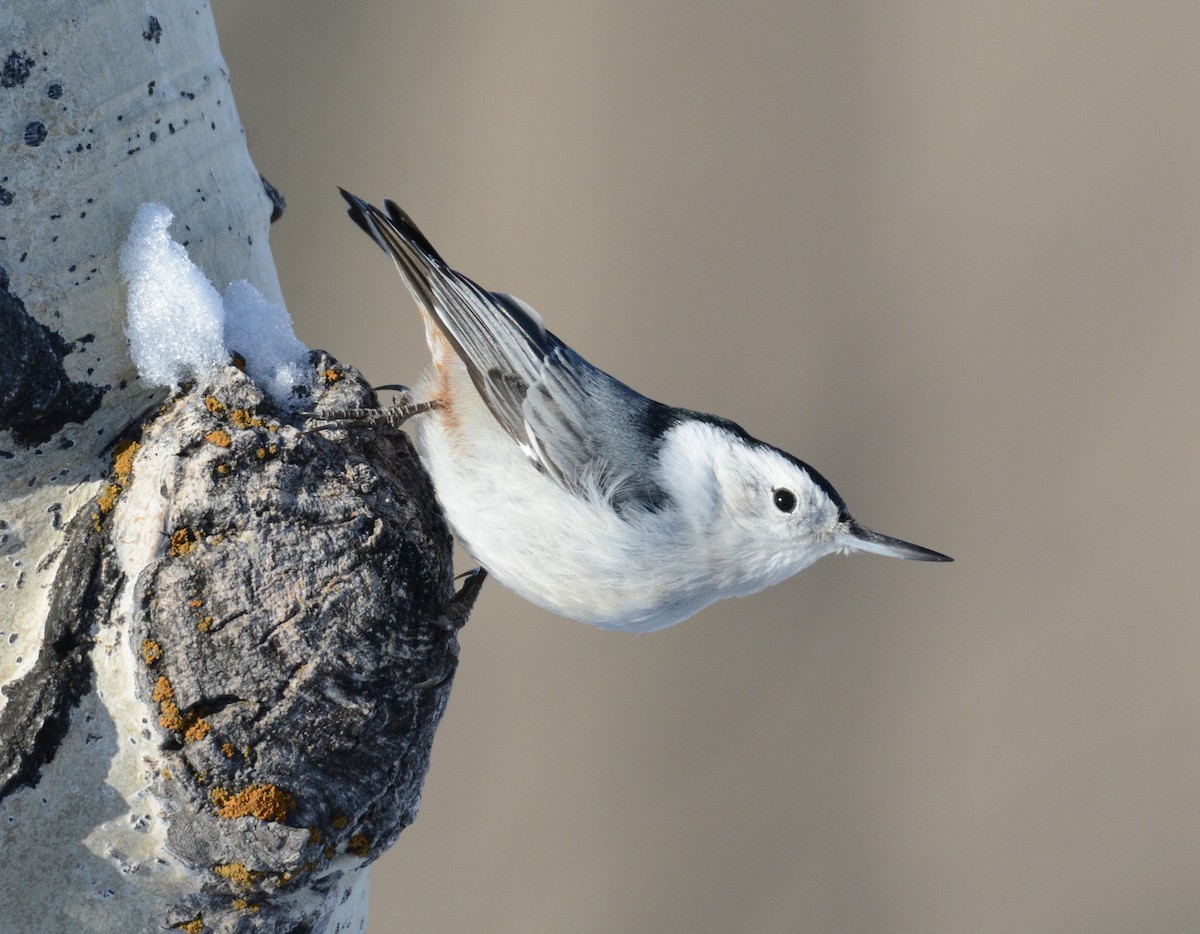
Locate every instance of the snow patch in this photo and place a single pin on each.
(180, 327)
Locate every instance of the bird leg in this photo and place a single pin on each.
(452, 620)
(394, 416)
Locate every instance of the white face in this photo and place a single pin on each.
(758, 516)
(778, 517)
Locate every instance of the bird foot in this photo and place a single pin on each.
(453, 618)
(393, 416)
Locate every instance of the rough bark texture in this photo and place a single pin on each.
(284, 616)
(225, 644)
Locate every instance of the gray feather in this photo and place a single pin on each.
(575, 422)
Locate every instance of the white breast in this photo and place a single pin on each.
(571, 554)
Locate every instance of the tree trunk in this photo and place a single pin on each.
(225, 645)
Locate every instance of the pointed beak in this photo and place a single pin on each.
(857, 538)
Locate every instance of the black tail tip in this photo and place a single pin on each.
(358, 210)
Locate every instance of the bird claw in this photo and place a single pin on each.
(453, 618)
(392, 416)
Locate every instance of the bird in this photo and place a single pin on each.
(579, 493)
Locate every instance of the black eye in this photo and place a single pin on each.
(785, 500)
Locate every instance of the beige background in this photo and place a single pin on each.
(947, 255)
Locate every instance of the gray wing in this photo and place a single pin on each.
(574, 421)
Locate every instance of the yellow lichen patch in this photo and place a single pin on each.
(197, 730)
(164, 695)
(331, 375)
(108, 498)
(219, 437)
(195, 926)
(123, 461)
(162, 691)
(193, 726)
(265, 802)
(237, 873)
(182, 542)
(213, 404)
(359, 844)
(122, 473)
(242, 418)
(151, 651)
(340, 822)
(240, 904)
(205, 624)
(227, 750)
(195, 602)
(224, 470)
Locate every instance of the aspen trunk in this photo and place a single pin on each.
(225, 644)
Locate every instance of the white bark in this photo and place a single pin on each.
(299, 618)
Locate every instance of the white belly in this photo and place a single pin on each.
(571, 555)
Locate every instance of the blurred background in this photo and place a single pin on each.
(948, 254)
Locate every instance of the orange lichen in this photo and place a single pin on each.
(192, 725)
(237, 873)
(122, 473)
(195, 926)
(359, 844)
(182, 542)
(197, 730)
(151, 651)
(219, 437)
(195, 602)
(205, 624)
(240, 904)
(227, 750)
(108, 498)
(123, 461)
(331, 375)
(162, 691)
(213, 404)
(241, 418)
(164, 695)
(265, 802)
(224, 470)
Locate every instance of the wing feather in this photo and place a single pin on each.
(575, 422)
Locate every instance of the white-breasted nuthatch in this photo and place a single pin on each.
(580, 494)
